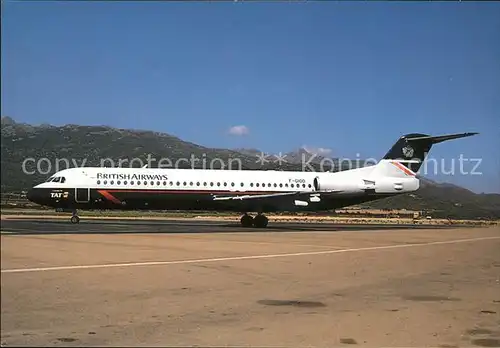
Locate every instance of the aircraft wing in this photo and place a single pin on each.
(271, 196)
(257, 196)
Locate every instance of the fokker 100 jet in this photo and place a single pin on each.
(243, 191)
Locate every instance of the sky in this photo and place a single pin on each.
(346, 77)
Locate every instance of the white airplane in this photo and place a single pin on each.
(237, 191)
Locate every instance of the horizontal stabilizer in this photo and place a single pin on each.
(440, 138)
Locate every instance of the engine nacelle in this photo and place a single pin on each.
(344, 185)
(394, 185)
(379, 185)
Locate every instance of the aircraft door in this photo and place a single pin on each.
(82, 195)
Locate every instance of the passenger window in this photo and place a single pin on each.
(105, 182)
(257, 184)
(164, 183)
(131, 183)
(125, 182)
(158, 183)
(98, 182)
(111, 182)
(118, 182)
(145, 182)
(152, 183)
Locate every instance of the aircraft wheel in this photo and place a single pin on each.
(260, 221)
(246, 221)
(75, 219)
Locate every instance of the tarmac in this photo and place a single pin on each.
(183, 283)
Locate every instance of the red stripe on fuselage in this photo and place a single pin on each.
(403, 168)
(109, 196)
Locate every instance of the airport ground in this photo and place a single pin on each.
(209, 283)
(365, 217)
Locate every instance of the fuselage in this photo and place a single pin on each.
(240, 190)
(198, 189)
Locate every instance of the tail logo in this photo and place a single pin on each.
(408, 151)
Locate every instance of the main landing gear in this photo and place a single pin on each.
(259, 221)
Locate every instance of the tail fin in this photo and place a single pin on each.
(412, 149)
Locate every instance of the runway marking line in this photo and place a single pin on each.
(237, 258)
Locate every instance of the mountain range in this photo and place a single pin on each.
(76, 145)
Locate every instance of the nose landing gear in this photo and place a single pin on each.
(74, 217)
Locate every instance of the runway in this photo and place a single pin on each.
(183, 283)
(57, 226)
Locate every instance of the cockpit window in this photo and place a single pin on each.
(60, 179)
